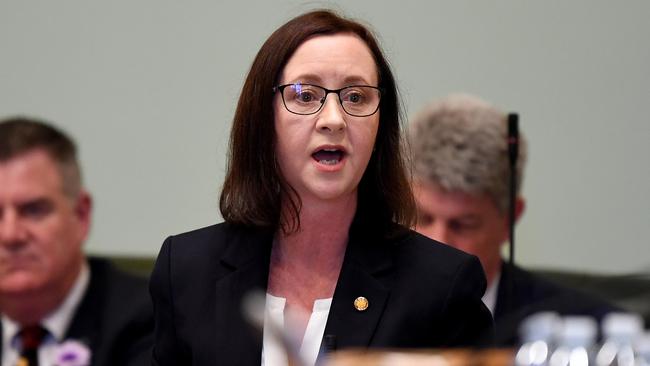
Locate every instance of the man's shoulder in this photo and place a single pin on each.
(102, 269)
(522, 293)
(534, 292)
(115, 285)
(535, 285)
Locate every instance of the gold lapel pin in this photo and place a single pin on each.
(361, 303)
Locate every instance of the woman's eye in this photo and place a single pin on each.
(305, 97)
(354, 97)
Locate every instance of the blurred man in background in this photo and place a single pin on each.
(55, 304)
(461, 181)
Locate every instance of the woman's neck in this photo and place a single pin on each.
(323, 234)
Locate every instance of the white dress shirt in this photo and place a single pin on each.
(490, 296)
(273, 349)
(56, 323)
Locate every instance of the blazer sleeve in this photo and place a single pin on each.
(166, 350)
(468, 322)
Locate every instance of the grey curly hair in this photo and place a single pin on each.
(460, 144)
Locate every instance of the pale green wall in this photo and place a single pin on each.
(149, 88)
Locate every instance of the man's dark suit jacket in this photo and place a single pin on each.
(421, 294)
(522, 293)
(114, 318)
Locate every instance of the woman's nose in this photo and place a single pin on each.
(332, 116)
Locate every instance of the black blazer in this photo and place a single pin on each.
(421, 294)
(522, 293)
(114, 318)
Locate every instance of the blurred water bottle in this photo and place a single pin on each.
(537, 337)
(575, 342)
(620, 330)
(642, 349)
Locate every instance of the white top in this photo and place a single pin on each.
(275, 334)
(56, 323)
(490, 296)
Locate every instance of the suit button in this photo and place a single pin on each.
(361, 303)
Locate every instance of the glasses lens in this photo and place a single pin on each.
(303, 98)
(360, 100)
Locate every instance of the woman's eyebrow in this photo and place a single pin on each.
(356, 79)
(311, 78)
(306, 79)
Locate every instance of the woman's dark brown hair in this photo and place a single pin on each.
(254, 187)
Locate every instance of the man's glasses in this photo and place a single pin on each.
(304, 99)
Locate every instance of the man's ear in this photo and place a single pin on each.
(83, 212)
(520, 207)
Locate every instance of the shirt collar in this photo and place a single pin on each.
(490, 296)
(57, 321)
(9, 331)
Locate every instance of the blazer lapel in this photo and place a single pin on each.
(367, 258)
(506, 299)
(244, 269)
(85, 325)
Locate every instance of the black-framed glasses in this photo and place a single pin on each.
(304, 99)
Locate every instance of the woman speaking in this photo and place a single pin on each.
(317, 206)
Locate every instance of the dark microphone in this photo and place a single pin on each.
(513, 154)
(253, 308)
(513, 138)
(328, 345)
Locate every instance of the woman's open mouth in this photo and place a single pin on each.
(328, 156)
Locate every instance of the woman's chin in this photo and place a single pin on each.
(331, 193)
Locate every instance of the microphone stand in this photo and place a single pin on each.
(513, 154)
